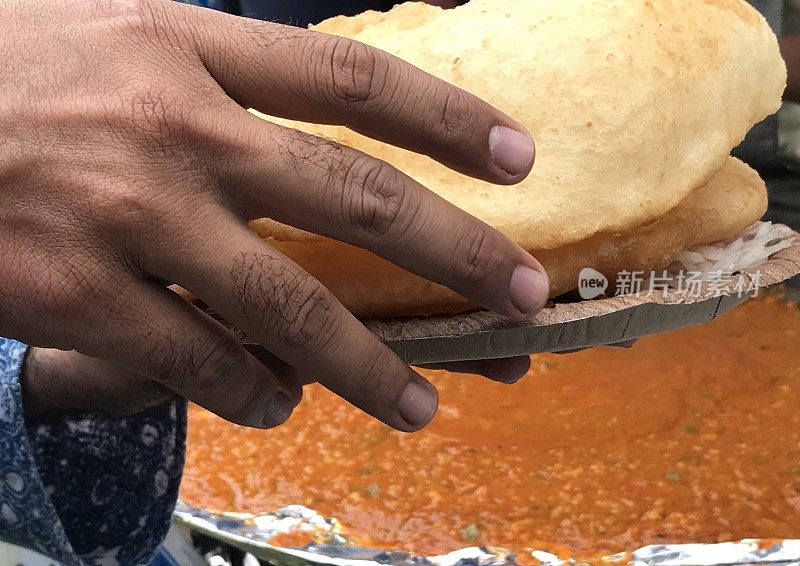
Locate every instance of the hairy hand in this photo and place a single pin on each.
(128, 161)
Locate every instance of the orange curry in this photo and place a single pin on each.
(690, 436)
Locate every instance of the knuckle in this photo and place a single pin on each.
(119, 211)
(155, 118)
(163, 361)
(455, 115)
(123, 215)
(216, 362)
(205, 364)
(310, 156)
(294, 306)
(302, 315)
(374, 197)
(156, 112)
(267, 34)
(151, 20)
(354, 75)
(136, 218)
(372, 383)
(477, 256)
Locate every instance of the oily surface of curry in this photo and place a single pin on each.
(690, 436)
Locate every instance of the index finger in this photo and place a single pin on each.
(315, 77)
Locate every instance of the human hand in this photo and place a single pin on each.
(129, 161)
(55, 383)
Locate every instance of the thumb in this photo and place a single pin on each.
(56, 383)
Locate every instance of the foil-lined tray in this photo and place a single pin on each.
(251, 534)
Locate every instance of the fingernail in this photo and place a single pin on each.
(529, 289)
(417, 404)
(511, 150)
(278, 411)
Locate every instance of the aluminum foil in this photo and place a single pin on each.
(251, 534)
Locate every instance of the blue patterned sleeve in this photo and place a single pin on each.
(88, 490)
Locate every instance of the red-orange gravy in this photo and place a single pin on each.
(690, 436)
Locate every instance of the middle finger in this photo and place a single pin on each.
(336, 191)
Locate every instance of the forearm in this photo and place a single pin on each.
(790, 49)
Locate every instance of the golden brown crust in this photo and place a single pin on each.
(633, 103)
